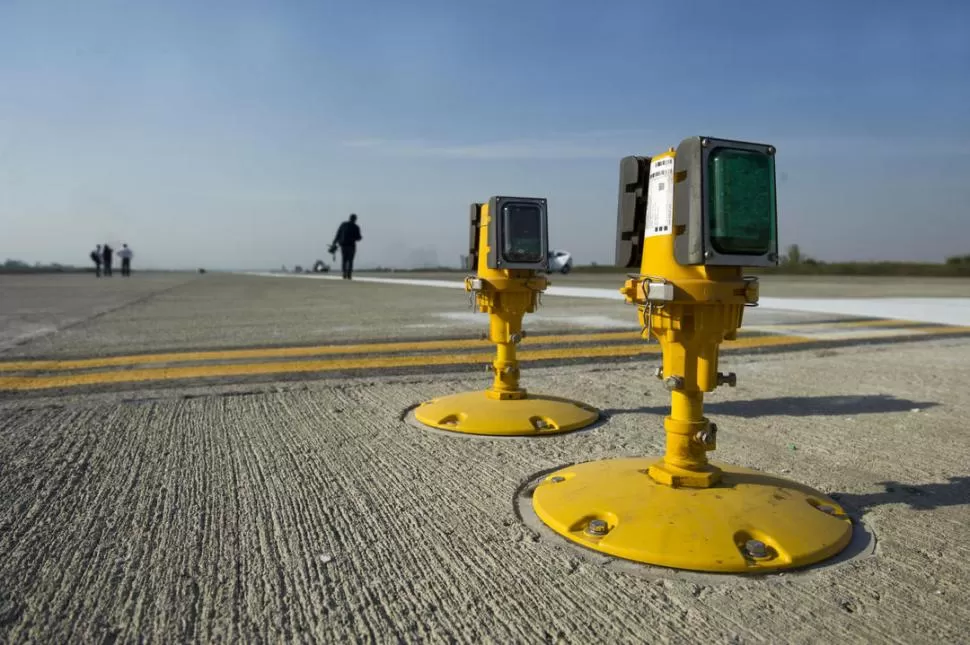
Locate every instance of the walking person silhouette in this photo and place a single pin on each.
(348, 234)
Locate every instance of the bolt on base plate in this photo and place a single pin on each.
(476, 413)
(750, 522)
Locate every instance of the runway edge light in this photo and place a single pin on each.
(509, 249)
(691, 219)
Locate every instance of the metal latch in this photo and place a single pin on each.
(663, 291)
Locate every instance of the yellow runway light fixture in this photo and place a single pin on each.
(508, 246)
(691, 219)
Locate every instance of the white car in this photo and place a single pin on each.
(560, 261)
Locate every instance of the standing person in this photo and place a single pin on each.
(96, 257)
(347, 237)
(125, 254)
(106, 252)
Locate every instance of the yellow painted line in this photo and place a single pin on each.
(286, 352)
(365, 348)
(875, 323)
(946, 330)
(882, 322)
(375, 362)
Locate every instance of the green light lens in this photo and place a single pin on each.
(523, 233)
(741, 201)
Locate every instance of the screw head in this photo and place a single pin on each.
(557, 479)
(598, 527)
(730, 379)
(756, 549)
(705, 142)
(770, 150)
(674, 383)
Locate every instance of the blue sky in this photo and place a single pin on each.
(239, 134)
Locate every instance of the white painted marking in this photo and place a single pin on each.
(591, 322)
(828, 333)
(325, 276)
(943, 311)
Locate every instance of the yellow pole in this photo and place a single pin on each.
(506, 368)
(508, 296)
(705, 309)
(684, 428)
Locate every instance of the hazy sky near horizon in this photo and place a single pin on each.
(234, 134)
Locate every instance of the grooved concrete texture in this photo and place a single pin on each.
(312, 512)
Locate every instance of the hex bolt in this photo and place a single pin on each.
(705, 143)
(756, 549)
(730, 379)
(674, 383)
(658, 372)
(541, 423)
(515, 339)
(598, 527)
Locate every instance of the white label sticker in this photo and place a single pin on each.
(660, 198)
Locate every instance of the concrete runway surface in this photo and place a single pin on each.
(221, 457)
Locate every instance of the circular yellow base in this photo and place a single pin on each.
(476, 413)
(749, 522)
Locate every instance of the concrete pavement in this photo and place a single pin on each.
(300, 506)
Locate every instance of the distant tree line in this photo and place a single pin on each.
(795, 262)
(19, 266)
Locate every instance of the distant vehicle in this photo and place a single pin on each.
(560, 261)
(321, 267)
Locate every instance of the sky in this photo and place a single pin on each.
(238, 135)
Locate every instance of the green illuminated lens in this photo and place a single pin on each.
(523, 233)
(741, 201)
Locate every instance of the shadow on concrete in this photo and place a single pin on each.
(798, 406)
(925, 497)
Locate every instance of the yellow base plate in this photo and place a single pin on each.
(750, 522)
(476, 413)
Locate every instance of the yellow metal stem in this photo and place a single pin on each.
(686, 420)
(505, 329)
(686, 406)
